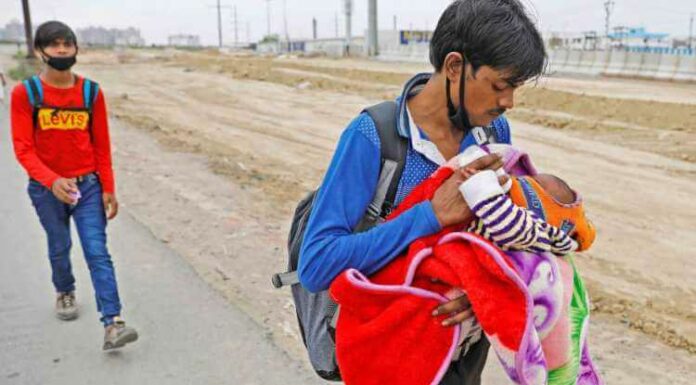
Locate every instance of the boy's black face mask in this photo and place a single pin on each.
(459, 116)
(59, 63)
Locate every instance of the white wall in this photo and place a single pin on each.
(625, 64)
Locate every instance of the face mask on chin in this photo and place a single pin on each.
(59, 63)
(458, 116)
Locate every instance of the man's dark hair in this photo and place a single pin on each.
(496, 33)
(50, 31)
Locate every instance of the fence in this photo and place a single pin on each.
(665, 65)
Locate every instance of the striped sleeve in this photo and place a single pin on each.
(507, 225)
(512, 227)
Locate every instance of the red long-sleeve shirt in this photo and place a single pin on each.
(61, 145)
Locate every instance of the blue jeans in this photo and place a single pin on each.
(90, 219)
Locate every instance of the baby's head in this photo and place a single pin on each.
(551, 199)
(557, 188)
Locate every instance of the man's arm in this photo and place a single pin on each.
(329, 245)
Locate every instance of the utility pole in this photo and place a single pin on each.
(248, 33)
(372, 43)
(219, 8)
(336, 23)
(219, 24)
(268, 17)
(608, 9)
(349, 12)
(285, 21)
(27, 29)
(236, 30)
(691, 32)
(314, 28)
(394, 22)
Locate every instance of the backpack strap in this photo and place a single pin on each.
(34, 90)
(90, 90)
(393, 157)
(35, 93)
(393, 150)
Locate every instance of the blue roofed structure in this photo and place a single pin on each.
(638, 38)
(636, 33)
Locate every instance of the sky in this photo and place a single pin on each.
(158, 19)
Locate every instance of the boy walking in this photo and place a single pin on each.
(61, 138)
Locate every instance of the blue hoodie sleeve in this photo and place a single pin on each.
(329, 245)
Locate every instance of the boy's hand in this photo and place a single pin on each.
(65, 190)
(110, 205)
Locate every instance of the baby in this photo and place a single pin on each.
(531, 212)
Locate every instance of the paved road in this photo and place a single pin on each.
(189, 334)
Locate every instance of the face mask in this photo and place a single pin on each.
(60, 63)
(458, 116)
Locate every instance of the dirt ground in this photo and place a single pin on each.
(240, 139)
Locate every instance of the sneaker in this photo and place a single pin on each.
(118, 334)
(66, 308)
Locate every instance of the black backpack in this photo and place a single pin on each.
(90, 90)
(316, 312)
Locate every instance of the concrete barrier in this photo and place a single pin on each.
(572, 64)
(665, 65)
(586, 63)
(658, 66)
(617, 61)
(686, 70)
(633, 64)
(557, 58)
(668, 67)
(600, 63)
(650, 66)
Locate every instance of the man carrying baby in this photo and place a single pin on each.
(481, 52)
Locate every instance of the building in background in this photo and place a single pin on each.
(13, 32)
(100, 36)
(128, 37)
(565, 40)
(183, 40)
(638, 38)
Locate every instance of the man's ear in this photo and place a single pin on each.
(453, 66)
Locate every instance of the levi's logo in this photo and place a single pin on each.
(57, 119)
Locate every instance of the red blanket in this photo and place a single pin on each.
(389, 316)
